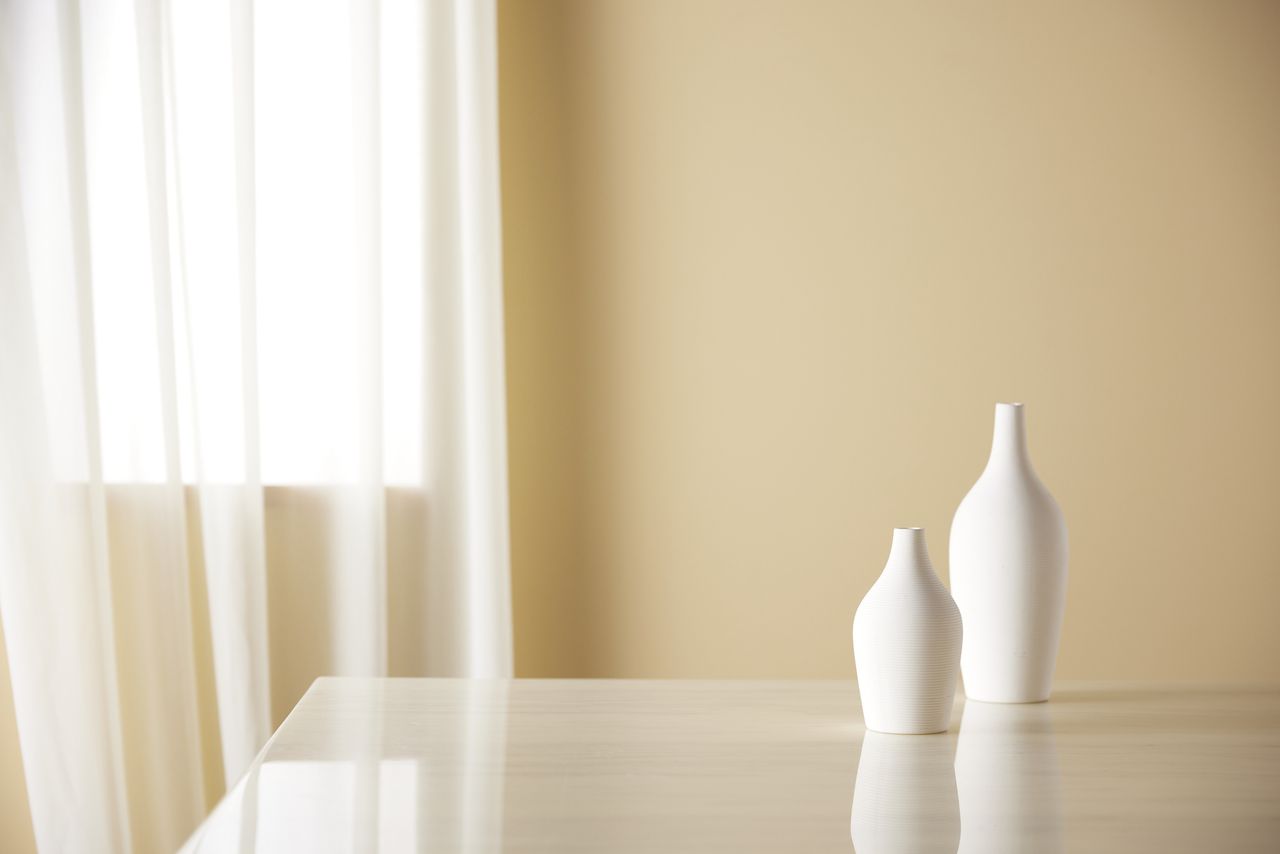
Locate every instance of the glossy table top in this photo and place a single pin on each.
(435, 765)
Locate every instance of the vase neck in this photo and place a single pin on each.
(1009, 440)
(908, 553)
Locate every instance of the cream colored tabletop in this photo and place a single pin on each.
(438, 765)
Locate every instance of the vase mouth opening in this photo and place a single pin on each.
(908, 529)
(1014, 404)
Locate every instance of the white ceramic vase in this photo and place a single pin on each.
(906, 643)
(1009, 572)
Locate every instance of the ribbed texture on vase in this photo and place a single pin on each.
(911, 683)
(906, 638)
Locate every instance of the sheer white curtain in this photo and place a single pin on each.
(252, 422)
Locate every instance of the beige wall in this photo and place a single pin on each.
(770, 264)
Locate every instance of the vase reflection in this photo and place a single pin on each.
(904, 798)
(999, 792)
(1008, 778)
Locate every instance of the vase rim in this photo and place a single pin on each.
(1015, 404)
(908, 529)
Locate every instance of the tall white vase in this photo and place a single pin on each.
(1009, 572)
(906, 643)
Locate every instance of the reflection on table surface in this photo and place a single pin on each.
(996, 790)
(904, 799)
(366, 774)
(1008, 779)
(629, 766)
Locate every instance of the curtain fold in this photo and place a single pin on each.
(252, 422)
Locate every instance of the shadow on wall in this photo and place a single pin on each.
(550, 520)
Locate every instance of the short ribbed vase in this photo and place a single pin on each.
(906, 643)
